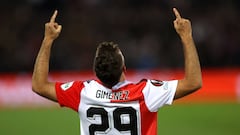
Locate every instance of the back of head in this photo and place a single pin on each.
(108, 63)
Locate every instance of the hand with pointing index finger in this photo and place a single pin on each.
(52, 28)
(182, 26)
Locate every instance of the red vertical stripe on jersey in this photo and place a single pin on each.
(148, 119)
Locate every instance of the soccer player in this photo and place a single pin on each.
(112, 105)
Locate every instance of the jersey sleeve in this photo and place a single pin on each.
(159, 93)
(68, 94)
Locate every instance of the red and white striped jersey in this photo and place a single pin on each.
(126, 109)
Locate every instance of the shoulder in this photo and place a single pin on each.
(145, 82)
(151, 84)
(154, 82)
(71, 85)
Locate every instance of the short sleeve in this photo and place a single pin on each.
(68, 94)
(159, 93)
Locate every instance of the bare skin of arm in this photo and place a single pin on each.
(192, 80)
(40, 83)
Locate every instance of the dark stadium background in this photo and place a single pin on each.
(144, 31)
(142, 28)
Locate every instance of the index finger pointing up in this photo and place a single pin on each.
(54, 16)
(177, 14)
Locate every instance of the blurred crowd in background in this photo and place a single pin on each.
(142, 28)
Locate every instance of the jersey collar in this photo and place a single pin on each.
(121, 84)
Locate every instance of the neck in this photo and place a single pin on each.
(123, 77)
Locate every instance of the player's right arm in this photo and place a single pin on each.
(192, 80)
(40, 83)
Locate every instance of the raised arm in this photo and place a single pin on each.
(40, 83)
(192, 80)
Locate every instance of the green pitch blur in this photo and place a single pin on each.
(179, 119)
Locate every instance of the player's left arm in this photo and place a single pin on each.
(192, 80)
(40, 83)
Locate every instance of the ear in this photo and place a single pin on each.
(124, 69)
(94, 72)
